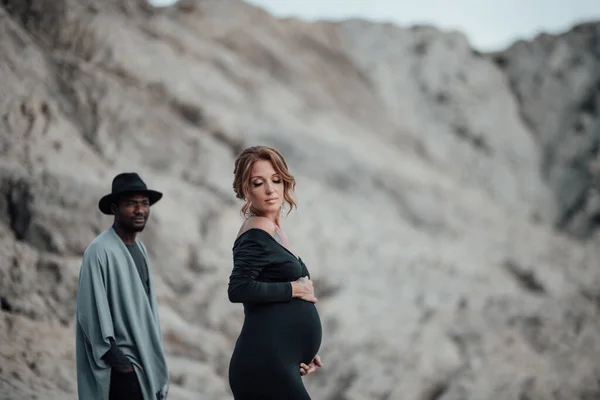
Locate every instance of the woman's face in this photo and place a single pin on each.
(266, 188)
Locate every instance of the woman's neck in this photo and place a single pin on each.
(276, 220)
(274, 217)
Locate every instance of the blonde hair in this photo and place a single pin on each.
(243, 167)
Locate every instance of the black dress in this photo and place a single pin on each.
(279, 332)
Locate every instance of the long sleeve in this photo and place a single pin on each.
(115, 358)
(304, 269)
(93, 311)
(249, 258)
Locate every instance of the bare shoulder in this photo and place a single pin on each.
(262, 223)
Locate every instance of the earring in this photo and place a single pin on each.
(249, 212)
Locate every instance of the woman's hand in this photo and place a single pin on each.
(312, 367)
(303, 289)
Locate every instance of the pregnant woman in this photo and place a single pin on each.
(281, 334)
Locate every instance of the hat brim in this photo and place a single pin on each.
(106, 201)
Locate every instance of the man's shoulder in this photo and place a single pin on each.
(100, 245)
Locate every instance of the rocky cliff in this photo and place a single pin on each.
(447, 203)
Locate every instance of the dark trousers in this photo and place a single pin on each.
(124, 386)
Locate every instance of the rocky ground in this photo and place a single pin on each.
(447, 201)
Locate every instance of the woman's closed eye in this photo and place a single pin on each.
(258, 183)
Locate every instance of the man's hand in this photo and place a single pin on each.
(303, 289)
(312, 367)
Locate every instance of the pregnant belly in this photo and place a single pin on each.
(292, 329)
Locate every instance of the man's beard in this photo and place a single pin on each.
(130, 226)
(137, 228)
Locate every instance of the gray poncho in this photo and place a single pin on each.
(112, 302)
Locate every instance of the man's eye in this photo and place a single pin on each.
(134, 203)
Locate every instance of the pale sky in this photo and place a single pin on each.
(489, 24)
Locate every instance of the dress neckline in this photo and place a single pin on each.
(271, 237)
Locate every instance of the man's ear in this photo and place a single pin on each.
(113, 208)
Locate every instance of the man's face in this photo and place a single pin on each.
(132, 212)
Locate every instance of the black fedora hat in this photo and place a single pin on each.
(125, 183)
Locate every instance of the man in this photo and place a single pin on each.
(118, 339)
